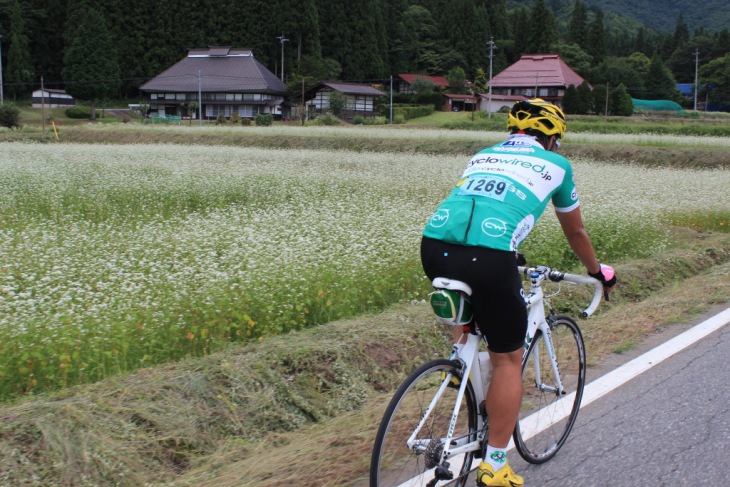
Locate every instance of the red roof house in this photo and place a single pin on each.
(536, 75)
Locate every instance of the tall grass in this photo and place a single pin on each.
(118, 257)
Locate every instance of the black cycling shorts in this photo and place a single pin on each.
(497, 297)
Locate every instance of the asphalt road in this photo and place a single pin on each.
(667, 426)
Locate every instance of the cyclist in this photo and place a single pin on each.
(473, 236)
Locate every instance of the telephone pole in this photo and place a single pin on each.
(492, 47)
(697, 62)
(282, 39)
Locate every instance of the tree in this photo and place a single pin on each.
(9, 115)
(91, 68)
(659, 82)
(542, 33)
(716, 75)
(422, 85)
(337, 102)
(597, 38)
(621, 104)
(577, 29)
(576, 58)
(585, 98)
(19, 70)
(599, 99)
(571, 100)
(457, 81)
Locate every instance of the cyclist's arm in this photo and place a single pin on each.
(575, 232)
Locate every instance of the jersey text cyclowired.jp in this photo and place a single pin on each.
(502, 194)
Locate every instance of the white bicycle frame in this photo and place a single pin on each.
(469, 356)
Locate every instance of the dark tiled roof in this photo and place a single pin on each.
(222, 69)
(352, 88)
(537, 69)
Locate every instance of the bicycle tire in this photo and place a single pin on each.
(392, 462)
(551, 418)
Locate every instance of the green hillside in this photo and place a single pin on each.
(714, 15)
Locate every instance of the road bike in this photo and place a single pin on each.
(434, 430)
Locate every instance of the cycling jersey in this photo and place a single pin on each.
(501, 195)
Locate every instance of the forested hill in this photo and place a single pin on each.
(107, 48)
(713, 15)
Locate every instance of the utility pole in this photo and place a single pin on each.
(282, 39)
(391, 99)
(2, 99)
(697, 62)
(200, 99)
(492, 47)
(43, 106)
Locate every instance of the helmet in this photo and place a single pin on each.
(539, 115)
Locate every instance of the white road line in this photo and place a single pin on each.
(616, 378)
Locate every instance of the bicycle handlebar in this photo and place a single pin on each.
(557, 276)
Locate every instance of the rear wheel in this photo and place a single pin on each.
(393, 461)
(547, 415)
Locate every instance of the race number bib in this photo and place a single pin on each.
(486, 185)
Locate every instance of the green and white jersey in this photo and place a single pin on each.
(503, 192)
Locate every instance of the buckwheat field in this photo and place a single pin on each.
(114, 257)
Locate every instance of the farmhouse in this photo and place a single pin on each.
(359, 98)
(536, 75)
(224, 80)
(52, 99)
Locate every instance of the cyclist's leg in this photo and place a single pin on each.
(504, 396)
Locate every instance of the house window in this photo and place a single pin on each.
(238, 97)
(181, 96)
(229, 96)
(169, 96)
(528, 92)
(561, 92)
(543, 92)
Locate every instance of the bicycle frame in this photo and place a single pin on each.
(469, 358)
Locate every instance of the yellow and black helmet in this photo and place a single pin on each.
(539, 115)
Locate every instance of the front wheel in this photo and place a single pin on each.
(547, 414)
(400, 454)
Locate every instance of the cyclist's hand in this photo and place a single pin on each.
(607, 276)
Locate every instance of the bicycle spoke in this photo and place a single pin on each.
(393, 462)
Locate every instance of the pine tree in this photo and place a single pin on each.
(621, 104)
(599, 99)
(659, 82)
(597, 38)
(585, 98)
(578, 24)
(91, 67)
(542, 32)
(19, 70)
(571, 100)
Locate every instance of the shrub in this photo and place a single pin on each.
(221, 120)
(78, 112)
(9, 116)
(264, 119)
(358, 120)
(246, 122)
(326, 119)
(235, 118)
